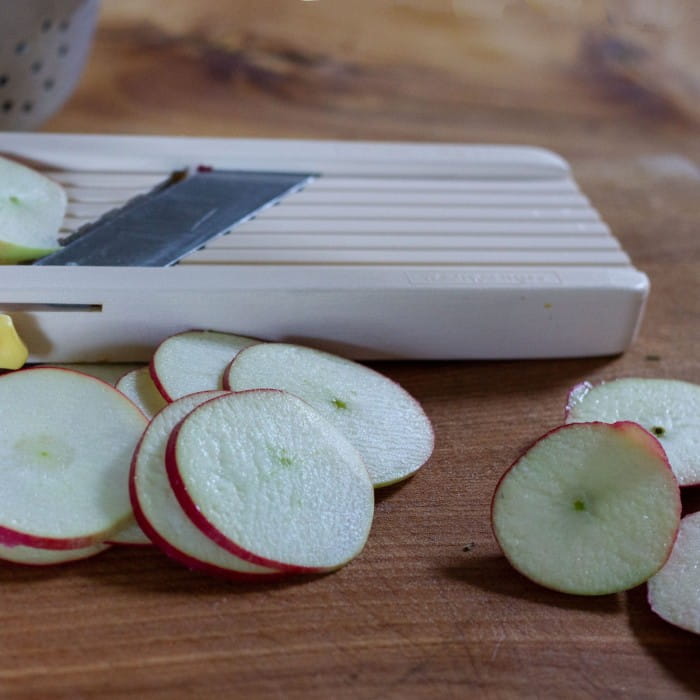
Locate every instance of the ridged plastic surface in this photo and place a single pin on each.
(395, 250)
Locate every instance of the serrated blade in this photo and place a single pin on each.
(179, 216)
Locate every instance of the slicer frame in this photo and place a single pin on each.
(397, 250)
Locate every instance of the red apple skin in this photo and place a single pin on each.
(195, 515)
(226, 384)
(177, 555)
(13, 538)
(643, 435)
(152, 367)
(157, 383)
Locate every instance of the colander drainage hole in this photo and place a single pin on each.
(7, 105)
(4, 80)
(21, 47)
(46, 25)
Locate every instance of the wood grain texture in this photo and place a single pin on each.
(430, 609)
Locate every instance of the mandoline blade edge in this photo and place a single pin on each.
(176, 218)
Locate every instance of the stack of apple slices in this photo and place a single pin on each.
(261, 463)
(265, 459)
(594, 506)
(385, 423)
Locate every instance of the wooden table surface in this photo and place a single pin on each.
(430, 609)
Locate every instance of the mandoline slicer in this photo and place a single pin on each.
(411, 251)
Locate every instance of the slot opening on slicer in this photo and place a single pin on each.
(30, 306)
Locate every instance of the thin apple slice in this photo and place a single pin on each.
(35, 556)
(269, 479)
(66, 441)
(32, 208)
(386, 424)
(158, 511)
(139, 387)
(589, 509)
(667, 408)
(194, 361)
(674, 592)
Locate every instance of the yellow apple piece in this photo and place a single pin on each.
(13, 352)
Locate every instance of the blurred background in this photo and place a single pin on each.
(554, 72)
(611, 85)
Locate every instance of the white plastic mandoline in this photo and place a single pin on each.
(396, 251)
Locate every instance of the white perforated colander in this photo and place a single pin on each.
(43, 48)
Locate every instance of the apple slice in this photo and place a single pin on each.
(158, 511)
(139, 387)
(269, 479)
(674, 592)
(35, 556)
(668, 408)
(66, 441)
(32, 208)
(589, 509)
(194, 361)
(385, 423)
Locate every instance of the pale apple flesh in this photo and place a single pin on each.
(194, 361)
(269, 479)
(32, 207)
(130, 535)
(589, 509)
(65, 451)
(667, 408)
(674, 592)
(138, 386)
(159, 513)
(386, 424)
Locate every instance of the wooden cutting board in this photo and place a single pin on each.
(430, 609)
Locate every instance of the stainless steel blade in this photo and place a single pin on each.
(161, 227)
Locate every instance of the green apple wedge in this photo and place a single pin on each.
(32, 207)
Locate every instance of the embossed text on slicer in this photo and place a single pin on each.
(484, 278)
